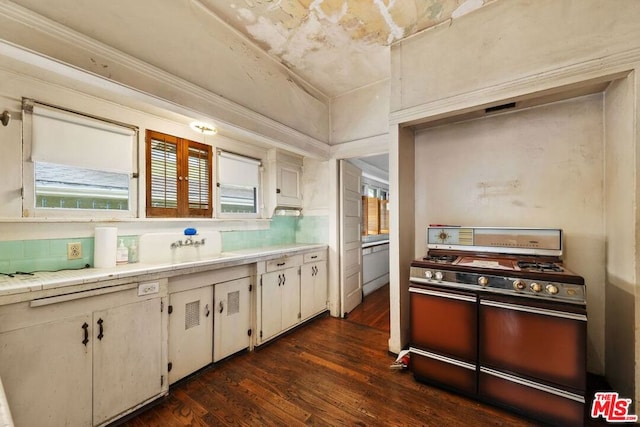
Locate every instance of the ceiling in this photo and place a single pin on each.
(335, 45)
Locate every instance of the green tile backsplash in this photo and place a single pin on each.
(46, 254)
(283, 230)
(42, 255)
(51, 254)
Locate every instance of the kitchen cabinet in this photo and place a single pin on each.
(284, 187)
(232, 321)
(46, 372)
(313, 284)
(84, 358)
(210, 317)
(279, 297)
(127, 365)
(190, 331)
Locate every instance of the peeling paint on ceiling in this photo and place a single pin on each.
(335, 45)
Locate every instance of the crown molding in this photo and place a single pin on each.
(229, 113)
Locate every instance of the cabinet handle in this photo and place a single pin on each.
(221, 309)
(207, 312)
(314, 257)
(279, 279)
(277, 191)
(284, 279)
(280, 264)
(86, 334)
(101, 330)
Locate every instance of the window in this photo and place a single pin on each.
(238, 185)
(76, 163)
(178, 177)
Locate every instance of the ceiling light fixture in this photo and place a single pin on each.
(204, 128)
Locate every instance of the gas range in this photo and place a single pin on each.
(509, 261)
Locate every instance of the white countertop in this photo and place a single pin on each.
(26, 287)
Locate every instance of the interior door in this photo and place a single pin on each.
(350, 236)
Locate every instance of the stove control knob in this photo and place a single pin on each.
(428, 274)
(519, 285)
(536, 287)
(483, 281)
(439, 275)
(551, 289)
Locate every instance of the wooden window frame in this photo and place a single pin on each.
(182, 210)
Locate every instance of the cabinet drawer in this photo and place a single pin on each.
(315, 256)
(284, 262)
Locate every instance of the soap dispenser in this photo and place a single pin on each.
(122, 254)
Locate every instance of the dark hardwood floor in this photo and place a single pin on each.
(330, 372)
(374, 310)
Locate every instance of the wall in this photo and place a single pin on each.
(231, 82)
(40, 244)
(521, 50)
(621, 249)
(541, 167)
(507, 40)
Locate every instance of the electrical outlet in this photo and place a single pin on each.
(74, 250)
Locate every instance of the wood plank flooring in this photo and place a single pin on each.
(330, 372)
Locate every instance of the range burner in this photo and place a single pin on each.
(443, 259)
(539, 266)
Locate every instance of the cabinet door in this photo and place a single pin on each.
(313, 289)
(290, 297)
(46, 372)
(127, 357)
(288, 184)
(271, 304)
(232, 317)
(190, 331)
(320, 286)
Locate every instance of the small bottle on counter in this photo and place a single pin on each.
(122, 254)
(133, 252)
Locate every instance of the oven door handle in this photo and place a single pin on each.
(459, 297)
(531, 384)
(535, 310)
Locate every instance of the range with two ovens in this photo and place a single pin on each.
(496, 315)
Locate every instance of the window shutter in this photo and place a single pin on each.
(199, 178)
(178, 177)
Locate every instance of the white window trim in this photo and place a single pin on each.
(29, 209)
(218, 208)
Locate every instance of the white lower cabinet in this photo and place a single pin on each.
(127, 362)
(190, 331)
(232, 321)
(210, 318)
(313, 284)
(46, 372)
(85, 361)
(280, 302)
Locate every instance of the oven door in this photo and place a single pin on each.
(532, 358)
(444, 337)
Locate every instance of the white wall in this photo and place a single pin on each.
(178, 52)
(518, 50)
(541, 167)
(507, 40)
(621, 241)
(360, 114)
